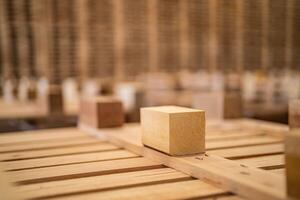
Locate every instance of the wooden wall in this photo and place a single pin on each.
(120, 39)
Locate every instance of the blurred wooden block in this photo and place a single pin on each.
(52, 101)
(132, 96)
(294, 114)
(174, 130)
(32, 93)
(292, 158)
(101, 112)
(233, 104)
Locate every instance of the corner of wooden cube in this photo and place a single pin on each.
(174, 130)
(294, 113)
(101, 112)
(292, 158)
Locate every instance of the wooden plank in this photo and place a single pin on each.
(265, 162)
(8, 138)
(81, 170)
(7, 189)
(44, 141)
(271, 128)
(278, 171)
(245, 181)
(232, 135)
(83, 140)
(178, 190)
(67, 160)
(251, 151)
(101, 183)
(211, 145)
(60, 151)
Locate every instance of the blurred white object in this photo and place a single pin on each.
(42, 87)
(24, 87)
(91, 88)
(130, 94)
(249, 86)
(8, 91)
(70, 91)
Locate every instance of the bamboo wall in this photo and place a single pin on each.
(120, 39)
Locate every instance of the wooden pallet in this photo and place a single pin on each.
(112, 164)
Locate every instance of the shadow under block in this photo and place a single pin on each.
(101, 112)
(292, 156)
(294, 114)
(173, 130)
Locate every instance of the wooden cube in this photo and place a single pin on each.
(101, 112)
(292, 158)
(233, 104)
(52, 101)
(294, 114)
(174, 130)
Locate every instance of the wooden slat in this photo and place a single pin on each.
(179, 190)
(50, 144)
(82, 170)
(60, 151)
(29, 136)
(232, 135)
(211, 145)
(266, 162)
(243, 152)
(67, 160)
(101, 183)
(44, 141)
(278, 171)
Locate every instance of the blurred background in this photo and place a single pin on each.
(233, 58)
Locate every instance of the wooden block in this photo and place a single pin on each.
(294, 114)
(233, 104)
(174, 130)
(292, 158)
(101, 112)
(27, 90)
(52, 102)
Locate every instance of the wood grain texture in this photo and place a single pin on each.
(178, 190)
(58, 151)
(111, 182)
(66, 160)
(81, 170)
(292, 159)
